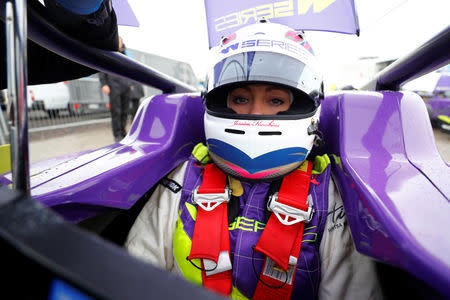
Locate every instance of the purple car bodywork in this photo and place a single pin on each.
(393, 182)
(439, 112)
(439, 104)
(85, 184)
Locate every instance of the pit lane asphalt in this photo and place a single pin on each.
(47, 144)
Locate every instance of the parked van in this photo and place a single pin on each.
(51, 98)
(79, 96)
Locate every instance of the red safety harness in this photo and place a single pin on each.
(280, 240)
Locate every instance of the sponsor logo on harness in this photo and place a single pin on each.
(171, 185)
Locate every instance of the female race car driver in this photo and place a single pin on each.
(253, 218)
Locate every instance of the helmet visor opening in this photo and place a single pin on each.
(264, 67)
(302, 105)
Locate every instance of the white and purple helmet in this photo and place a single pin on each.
(262, 147)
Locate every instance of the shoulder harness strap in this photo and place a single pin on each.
(282, 236)
(211, 240)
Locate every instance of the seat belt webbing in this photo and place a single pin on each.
(281, 243)
(211, 239)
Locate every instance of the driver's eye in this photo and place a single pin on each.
(276, 101)
(240, 100)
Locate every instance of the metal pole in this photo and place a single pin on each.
(16, 35)
(3, 127)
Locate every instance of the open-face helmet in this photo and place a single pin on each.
(262, 147)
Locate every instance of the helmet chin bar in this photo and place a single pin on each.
(258, 150)
(224, 167)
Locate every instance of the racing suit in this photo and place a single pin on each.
(329, 266)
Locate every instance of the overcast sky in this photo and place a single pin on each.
(389, 29)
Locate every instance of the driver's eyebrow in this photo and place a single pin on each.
(242, 87)
(273, 88)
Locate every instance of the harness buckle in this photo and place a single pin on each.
(296, 214)
(210, 201)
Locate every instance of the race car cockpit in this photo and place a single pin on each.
(64, 237)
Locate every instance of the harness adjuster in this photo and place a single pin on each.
(210, 201)
(297, 215)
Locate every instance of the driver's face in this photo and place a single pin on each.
(259, 99)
